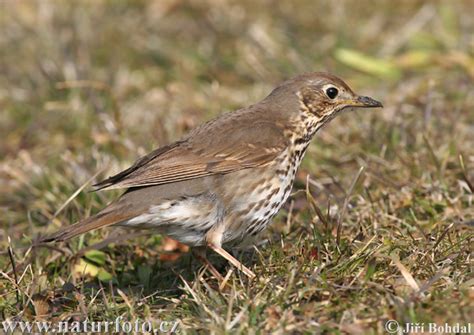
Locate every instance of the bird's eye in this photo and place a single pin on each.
(332, 92)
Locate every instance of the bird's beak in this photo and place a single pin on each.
(367, 102)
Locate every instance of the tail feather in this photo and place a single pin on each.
(105, 218)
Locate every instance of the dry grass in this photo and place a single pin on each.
(89, 86)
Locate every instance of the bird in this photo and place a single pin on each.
(220, 185)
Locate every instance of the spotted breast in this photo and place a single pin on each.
(249, 213)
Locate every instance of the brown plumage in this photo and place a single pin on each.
(223, 183)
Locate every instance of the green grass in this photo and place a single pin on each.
(90, 86)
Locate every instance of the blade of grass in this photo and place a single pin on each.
(346, 203)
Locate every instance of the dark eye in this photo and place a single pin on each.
(332, 92)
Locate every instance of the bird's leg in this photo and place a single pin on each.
(200, 254)
(232, 260)
(214, 241)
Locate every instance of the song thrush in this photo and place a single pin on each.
(224, 182)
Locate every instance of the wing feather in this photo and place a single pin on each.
(201, 154)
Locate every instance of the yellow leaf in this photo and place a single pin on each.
(368, 64)
(415, 59)
(82, 268)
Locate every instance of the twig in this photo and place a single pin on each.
(415, 24)
(346, 203)
(12, 260)
(464, 173)
(79, 190)
(312, 202)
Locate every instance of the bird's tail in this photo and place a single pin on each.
(106, 217)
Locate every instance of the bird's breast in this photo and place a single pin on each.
(258, 194)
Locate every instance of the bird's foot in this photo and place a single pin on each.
(232, 260)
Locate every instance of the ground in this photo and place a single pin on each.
(380, 223)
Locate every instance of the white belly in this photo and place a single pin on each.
(186, 220)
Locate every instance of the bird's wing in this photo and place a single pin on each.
(215, 148)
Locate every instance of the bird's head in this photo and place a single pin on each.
(317, 97)
(324, 95)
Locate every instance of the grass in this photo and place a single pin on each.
(380, 223)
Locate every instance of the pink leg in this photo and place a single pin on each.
(231, 259)
(200, 254)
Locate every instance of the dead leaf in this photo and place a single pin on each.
(41, 306)
(172, 249)
(172, 245)
(273, 316)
